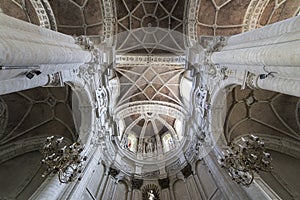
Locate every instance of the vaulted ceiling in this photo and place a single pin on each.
(151, 27)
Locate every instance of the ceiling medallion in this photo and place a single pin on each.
(149, 23)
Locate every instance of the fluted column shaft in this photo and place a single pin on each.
(282, 85)
(229, 188)
(25, 44)
(50, 189)
(22, 83)
(25, 47)
(273, 48)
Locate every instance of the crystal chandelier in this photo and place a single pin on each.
(66, 161)
(244, 159)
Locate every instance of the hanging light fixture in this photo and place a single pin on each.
(66, 161)
(244, 159)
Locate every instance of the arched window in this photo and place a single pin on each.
(131, 142)
(168, 142)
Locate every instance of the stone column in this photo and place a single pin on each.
(25, 44)
(200, 187)
(272, 47)
(136, 194)
(129, 194)
(78, 189)
(51, 188)
(165, 194)
(192, 188)
(22, 83)
(103, 185)
(136, 185)
(282, 85)
(172, 196)
(229, 188)
(108, 193)
(25, 47)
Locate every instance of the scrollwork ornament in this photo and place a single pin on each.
(87, 44)
(219, 43)
(55, 80)
(251, 80)
(151, 174)
(212, 70)
(175, 166)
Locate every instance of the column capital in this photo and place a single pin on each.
(251, 80)
(213, 43)
(55, 80)
(87, 44)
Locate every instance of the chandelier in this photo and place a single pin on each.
(66, 161)
(246, 158)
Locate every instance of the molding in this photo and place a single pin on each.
(44, 13)
(55, 80)
(142, 107)
(251, 80)
(253, 14)
(192, 18)
(109, 22)
(138, 59)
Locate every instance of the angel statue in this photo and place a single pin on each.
(151, 196)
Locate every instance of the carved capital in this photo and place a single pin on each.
(55, 80)
(137, 183)
(88, 45)
(187, 171)
(164, 183)
(251, 80)
(219, 43)
(213, 43)
(113, 172)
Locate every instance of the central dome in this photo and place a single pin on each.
(148, 109)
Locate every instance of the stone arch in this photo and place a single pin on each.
(84, 101)
(218, 110)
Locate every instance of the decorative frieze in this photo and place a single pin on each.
(174, 167)
(150, 59)
(174, 111)
(190, 152)
(151, 174)
(55, 80)
(108, 21)
(253, 14)
(45, 14)
(251, 80)
(192, 18)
